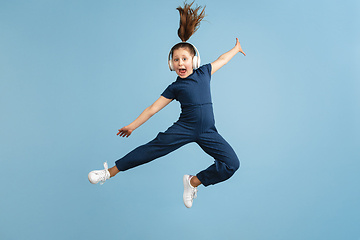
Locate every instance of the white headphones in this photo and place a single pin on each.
(196, 59)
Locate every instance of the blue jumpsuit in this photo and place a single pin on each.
(195, 124)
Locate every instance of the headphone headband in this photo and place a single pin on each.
(196, 59)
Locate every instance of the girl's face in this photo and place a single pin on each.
(182, 62)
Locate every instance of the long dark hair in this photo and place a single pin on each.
(189, 23)
(189, 20)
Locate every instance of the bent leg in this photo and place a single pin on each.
(226, 161)
(164, 143)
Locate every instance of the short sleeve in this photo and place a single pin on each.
(205, 71)
(206, 68)
(169, 92)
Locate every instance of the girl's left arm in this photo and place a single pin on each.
(226, 57)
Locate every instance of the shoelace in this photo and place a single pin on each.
(103, 176)
(194, 193)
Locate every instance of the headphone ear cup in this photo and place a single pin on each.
(171, 65)
(195, 62)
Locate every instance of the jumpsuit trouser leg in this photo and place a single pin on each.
(165, 142)
(226, 161)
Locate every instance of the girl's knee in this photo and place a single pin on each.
(233, 167)
(234, 164)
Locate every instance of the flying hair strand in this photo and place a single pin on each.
(189, 20)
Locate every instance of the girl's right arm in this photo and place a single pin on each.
(144, 116)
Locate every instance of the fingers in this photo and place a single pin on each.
(240, 49)
(123, 133)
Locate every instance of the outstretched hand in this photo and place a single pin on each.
(124, 132)
(238, 46)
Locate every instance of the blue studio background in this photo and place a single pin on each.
(73, 72)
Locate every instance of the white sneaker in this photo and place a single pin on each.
(99, 175)
(190, 192)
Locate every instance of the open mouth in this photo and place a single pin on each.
(182, 71)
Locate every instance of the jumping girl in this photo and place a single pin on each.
(196, 122)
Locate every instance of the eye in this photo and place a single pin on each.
(176, 59)
(184, 59)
